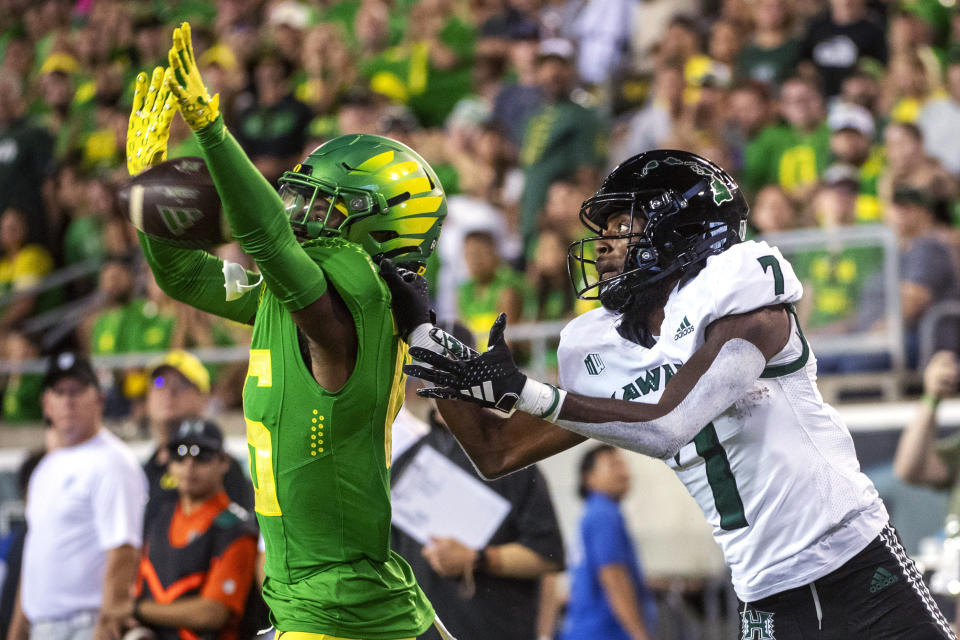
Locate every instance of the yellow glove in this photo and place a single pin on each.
(149, 127)
(196, 105)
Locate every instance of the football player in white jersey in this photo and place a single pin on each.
(686, 302)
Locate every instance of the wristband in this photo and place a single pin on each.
(420, 337)
(541, 400)
(931, 400)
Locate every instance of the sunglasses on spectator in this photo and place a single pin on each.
(201, 454)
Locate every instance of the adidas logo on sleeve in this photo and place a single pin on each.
(685, 328)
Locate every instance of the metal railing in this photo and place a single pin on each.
(890, 339)
(539, 336)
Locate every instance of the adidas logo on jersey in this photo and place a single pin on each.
(684, 329)
(881, 580)
(594, 364)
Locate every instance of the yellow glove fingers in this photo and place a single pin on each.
(156, 84)
(139, 94)
(191, 62)
(176, 65)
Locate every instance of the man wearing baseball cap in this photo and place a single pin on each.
(84, 515)
(852, 132)
(200, 546)
(178, 388)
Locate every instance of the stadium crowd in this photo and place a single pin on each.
(832, 114)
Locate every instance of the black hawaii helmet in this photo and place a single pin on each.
(691, 209)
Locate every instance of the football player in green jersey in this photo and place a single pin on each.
(325, 380)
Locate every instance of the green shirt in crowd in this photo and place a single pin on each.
(559, 139)
(782, 155)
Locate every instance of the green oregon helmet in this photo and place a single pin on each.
(367, 189)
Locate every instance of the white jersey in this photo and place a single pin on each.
(776, 474)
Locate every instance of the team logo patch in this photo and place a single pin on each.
(756, 625)
(881, 580)
(719, 190)
(594, 364)
(685, 328)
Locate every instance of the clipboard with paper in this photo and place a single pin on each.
(436, 498)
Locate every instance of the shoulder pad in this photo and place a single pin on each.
(744, 278)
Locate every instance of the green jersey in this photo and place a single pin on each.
(320, 463)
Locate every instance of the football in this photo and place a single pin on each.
(176, 201)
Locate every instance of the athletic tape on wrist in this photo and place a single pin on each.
(541, 400)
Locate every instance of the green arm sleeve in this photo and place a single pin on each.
(257, 220)
(195, 277)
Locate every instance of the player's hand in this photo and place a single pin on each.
(941, 375)
(492, 379)
(410, 297)
(149, 127)
(196, 105)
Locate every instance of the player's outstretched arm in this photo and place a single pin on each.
(191, 276)
(196, 277)
(256, 215)
(717, 375)
(251, 205)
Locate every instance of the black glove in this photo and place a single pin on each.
(411, 297)
(491, 379)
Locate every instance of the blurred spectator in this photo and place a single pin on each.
(907, 163)
(651, 20)
(773, 211)
(837, 39)
(515, 20)
(493, 287)
(723, 47)
(199, 547)
(923, 458)
(562, 139)
(928, 275)
(84, 514)
(771, 52)
(179, 388)
(608, 596)
(833, 277)
(547, 279)
(795, 153)
(863, 87)
(11, 545)
(654, 123)
(681, 43)
(62, 114)
(600, 31)
(21, 394)
(920, 458)
(272, 126)
(22, 266)
(747, 112)
(491, 592)
(851, 143)
(25, 162)
(906, 87)
(430, 70)
(940, 120)
(328, 69)
(519, 100)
